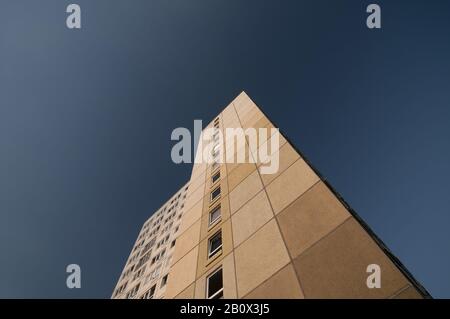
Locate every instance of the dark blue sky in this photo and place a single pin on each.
(86, 117)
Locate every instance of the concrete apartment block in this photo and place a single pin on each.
(147, 269)
(243, 234)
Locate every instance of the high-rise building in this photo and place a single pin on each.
(246, 233)
(146, 271)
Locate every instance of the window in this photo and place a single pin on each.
(215, 193)
(128, 271)
(148, 246)
(133, 292)
(164, 281)
(215, 244)
(139, 245)
(214, 285)
(121, 289)
(158, 256)
(143, 260)
(214, 165)
(172, 243)
(134, 257)
(214, 215)
(216, 150)
(139, 273)
(162, 241)
(155, 273)
(215, 177)
(150, 293)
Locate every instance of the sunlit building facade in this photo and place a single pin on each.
(236, 232)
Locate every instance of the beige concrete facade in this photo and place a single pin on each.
(282, 235)
(147, 269)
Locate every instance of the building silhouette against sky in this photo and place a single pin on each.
(233, 232)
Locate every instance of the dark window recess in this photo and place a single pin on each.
(164, 281)
(215, 285)
(215, 193)
(216, 177)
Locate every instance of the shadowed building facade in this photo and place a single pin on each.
(146, 271)
(244, 234)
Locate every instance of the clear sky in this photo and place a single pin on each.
(86, 117)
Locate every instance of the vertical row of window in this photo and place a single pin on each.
(214, 282)
(215, 153)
